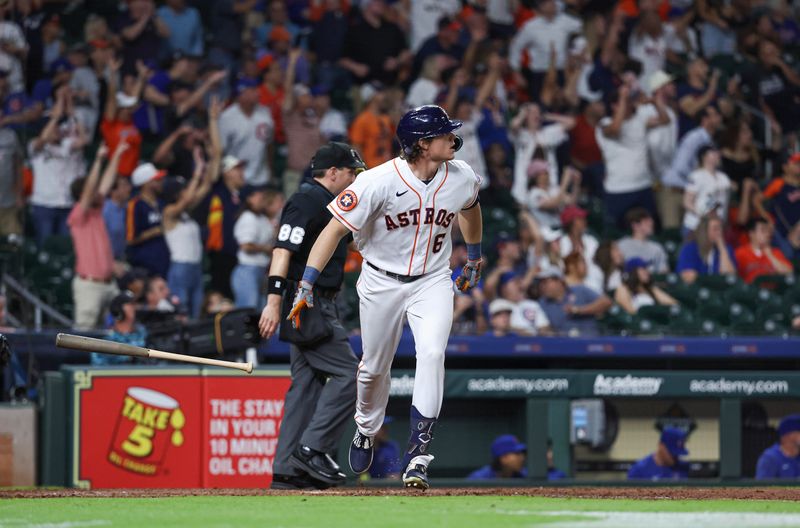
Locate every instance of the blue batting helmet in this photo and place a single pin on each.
(425, 122)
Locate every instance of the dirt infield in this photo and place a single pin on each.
(651, 493)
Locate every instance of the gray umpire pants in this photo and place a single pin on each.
(322, 396)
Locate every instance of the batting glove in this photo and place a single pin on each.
(470, 275)
(302, 299)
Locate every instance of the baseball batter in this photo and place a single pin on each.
(401, 214)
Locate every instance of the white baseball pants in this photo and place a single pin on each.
(385, 305)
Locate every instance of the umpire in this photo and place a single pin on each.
(322, 396)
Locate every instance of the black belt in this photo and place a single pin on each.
(395, 276)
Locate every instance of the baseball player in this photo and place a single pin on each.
(323, 389)
(401, 214)
(665, 463)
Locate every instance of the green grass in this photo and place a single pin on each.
(397, 511)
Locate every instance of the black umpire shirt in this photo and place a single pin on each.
(304, 217)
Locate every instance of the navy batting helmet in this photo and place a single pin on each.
(425, 122)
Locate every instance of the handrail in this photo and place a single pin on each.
(39, 305)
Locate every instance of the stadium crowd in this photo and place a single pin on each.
(620, 143)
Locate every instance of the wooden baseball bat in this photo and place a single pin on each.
(90, 344)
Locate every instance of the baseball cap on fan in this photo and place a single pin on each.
(368, 90)
(126, 101)
(146, 172)
(339, 155)
(245, 83)
(231, 162)
(674, 440)
(500, 305)
(659, 79)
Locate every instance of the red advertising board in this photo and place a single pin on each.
(175, 428)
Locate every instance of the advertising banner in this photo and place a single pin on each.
(607, 383)
(175, 428)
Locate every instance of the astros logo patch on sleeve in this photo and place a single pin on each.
(347, 200)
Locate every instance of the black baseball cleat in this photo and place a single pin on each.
(318, 465)
(416, 473)
(297, 482)
(361, 452)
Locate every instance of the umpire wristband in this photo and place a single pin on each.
(276, 284)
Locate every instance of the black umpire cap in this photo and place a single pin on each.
(339, 155)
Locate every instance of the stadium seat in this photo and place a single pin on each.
(775, 282)
(682, 322)
(666, 279)
(645, 327)
(745, 294)
(760, 328)
(658, 313)
(616, 321)
(739, 314)
(774, 310)
(717, 282)
(686, 294)
(792, 295)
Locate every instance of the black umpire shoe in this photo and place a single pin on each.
(318, 465)
(296, 482)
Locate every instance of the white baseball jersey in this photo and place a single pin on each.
(401, 224)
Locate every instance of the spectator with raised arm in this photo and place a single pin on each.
(56, 158)
(182, 234)
(117, 123)
(142, 32)
(246, 129)
(549, 28)
(530, 136)
(93, 286)
(446, 43)
(372, 130)
(301, 123)
(623, 141)
(544, 201)
(468, 110)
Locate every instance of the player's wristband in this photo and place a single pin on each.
(276, 284)
(310, 275)
(474, 251)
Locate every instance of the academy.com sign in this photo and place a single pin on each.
(524, 385)
(404, 385)
(626, 385)
(747, 387)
